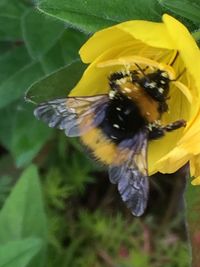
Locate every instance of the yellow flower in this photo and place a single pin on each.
(153, 43)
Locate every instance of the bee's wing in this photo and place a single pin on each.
(131, 175)
(74, 115)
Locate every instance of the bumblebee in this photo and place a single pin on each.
(117, 126)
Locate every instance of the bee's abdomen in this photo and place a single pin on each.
(123, 119)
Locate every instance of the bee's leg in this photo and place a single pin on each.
(174, 125)
(156, 130)
(163, 107)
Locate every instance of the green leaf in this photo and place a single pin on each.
(5, 186)
(184, 8)
(71, 42)
(25, 208)
(7, 167)
(57, 84)
(12, 8)
(10, 14)
(53, 59)
(21, 133)
(16, 74)
(40, 32)
(23, 214)
(65, 51)
(7, 119)
(15, 86)
(29, 136)
(12, 61)
(19, 253)
(92, 15)
(10, 29)
(5, 46)
(196, 35)
(56, 48)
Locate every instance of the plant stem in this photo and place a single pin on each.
(192, 203)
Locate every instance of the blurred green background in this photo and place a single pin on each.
(57, 206)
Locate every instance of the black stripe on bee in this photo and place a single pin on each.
(122, 119)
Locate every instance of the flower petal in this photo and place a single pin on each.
(185, 90)
(187, 143)
(171, 162)
(161, 151)
(111, 49)
(196, 181)
(95, 80)
(150, 33)
(191, 140)
(102, 41)
(186, 45)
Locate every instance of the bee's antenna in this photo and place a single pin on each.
(140, 69)
(174, 59)
(171, 64)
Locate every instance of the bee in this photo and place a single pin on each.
(118, 126)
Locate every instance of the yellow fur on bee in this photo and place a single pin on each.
(148, 107)
(101, 147)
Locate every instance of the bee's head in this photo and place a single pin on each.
(156, 84)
